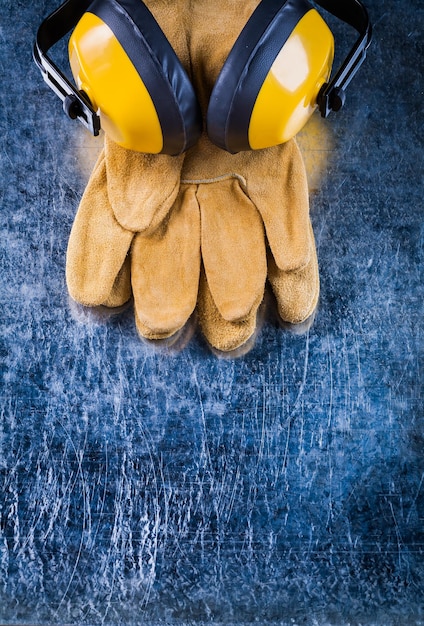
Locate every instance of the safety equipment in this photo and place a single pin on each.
(202, 230)
(131, 82)
(199, 232)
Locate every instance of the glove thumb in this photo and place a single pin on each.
(141, 187)
(96, 268)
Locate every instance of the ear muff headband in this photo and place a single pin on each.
(52, 30)
(151, 55)
(332, 96)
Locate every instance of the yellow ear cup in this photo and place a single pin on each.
(288, 94)
(102, 69)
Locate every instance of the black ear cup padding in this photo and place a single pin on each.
(247, 65)
(159, 68)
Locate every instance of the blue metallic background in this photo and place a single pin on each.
(144, 486)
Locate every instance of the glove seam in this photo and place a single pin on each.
(216, 179)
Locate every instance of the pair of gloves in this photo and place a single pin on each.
(202, 231)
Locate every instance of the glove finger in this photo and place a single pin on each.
(121, 289)
(233, 248)
(165, 270)
(224, 335)
(97, 248)
(297, 290)
(141, 187)
(278, 187)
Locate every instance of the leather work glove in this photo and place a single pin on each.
(145, 223)
(131, 193)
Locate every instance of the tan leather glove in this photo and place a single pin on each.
(131, 193)
(145, 222)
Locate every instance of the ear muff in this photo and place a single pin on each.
(122, 61)
(269, 84)
(130, 78)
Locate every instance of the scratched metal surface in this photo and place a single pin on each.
(284, 487)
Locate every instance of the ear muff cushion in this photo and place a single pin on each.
(245, 69)
(158, 67)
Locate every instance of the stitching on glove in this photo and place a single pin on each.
(202, 181)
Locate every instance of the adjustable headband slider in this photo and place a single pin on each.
(330, 99)
(337, 99)
(77, 106)
(72, 107)
(332, 95)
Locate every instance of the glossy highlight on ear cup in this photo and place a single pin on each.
(288, 96)
(122, 60)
